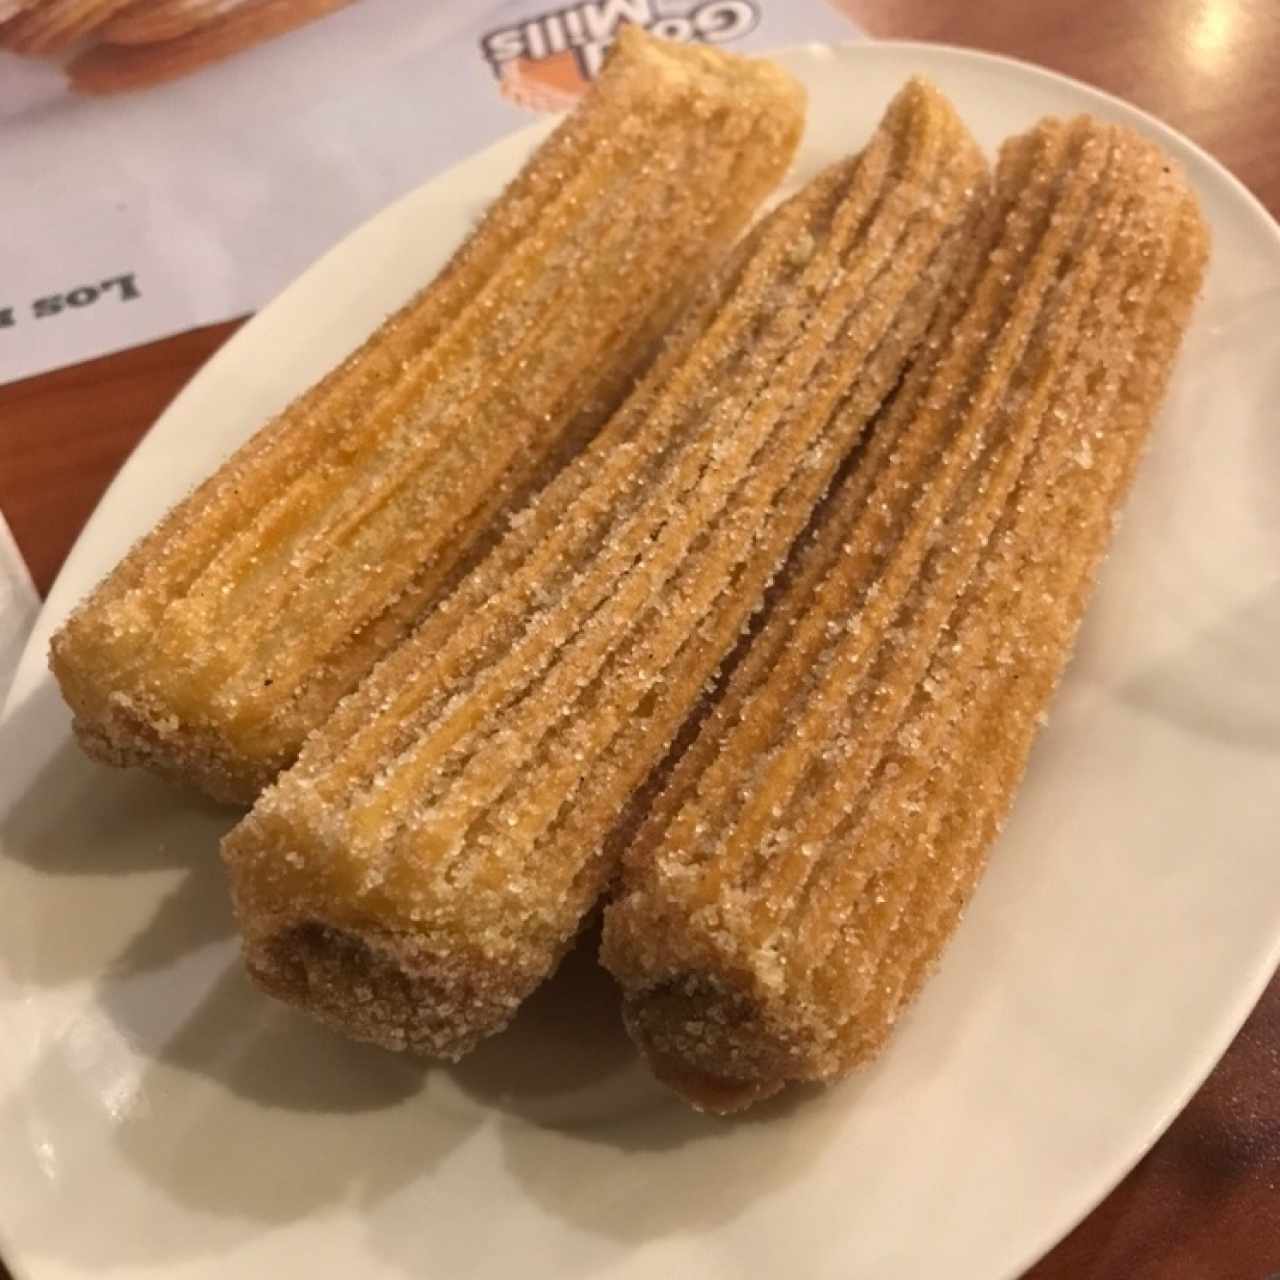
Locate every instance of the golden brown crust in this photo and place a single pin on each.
(231, 631)
(461, 799)
(804, 865)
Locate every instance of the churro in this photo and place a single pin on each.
(233, 629)
(433, 852)
(807, 859)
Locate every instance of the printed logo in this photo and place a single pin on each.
(545, 62)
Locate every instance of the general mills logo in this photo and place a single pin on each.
(546, 60)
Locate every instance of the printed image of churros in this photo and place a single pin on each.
(51, 27)
(808, 858)
(121, 46)
(140, 60)
(232, 630)
(11, 9)
(434, 851)
(149, 21)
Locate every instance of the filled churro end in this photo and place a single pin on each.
(419, 969)
(417, 991)
(711, 1012)
(389, 989)
(712, 1046)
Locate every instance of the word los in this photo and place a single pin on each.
(123, 288)
(586, 29)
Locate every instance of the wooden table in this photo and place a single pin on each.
(1204, 1204)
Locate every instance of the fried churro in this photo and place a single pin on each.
(233, 629)
(433, 852)
(795, 881)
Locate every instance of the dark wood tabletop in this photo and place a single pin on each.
(1204, 1203)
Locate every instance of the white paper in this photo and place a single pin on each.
(133, 217)
(19, 605)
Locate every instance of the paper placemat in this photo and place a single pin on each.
(177, 204)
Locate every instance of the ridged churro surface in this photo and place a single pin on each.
(232, 630)
(809, 856)
(431, 855)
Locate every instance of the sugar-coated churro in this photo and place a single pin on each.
(808, 857)
(432, 854)
(231, 631)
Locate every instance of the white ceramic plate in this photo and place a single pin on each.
(158, 1117)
